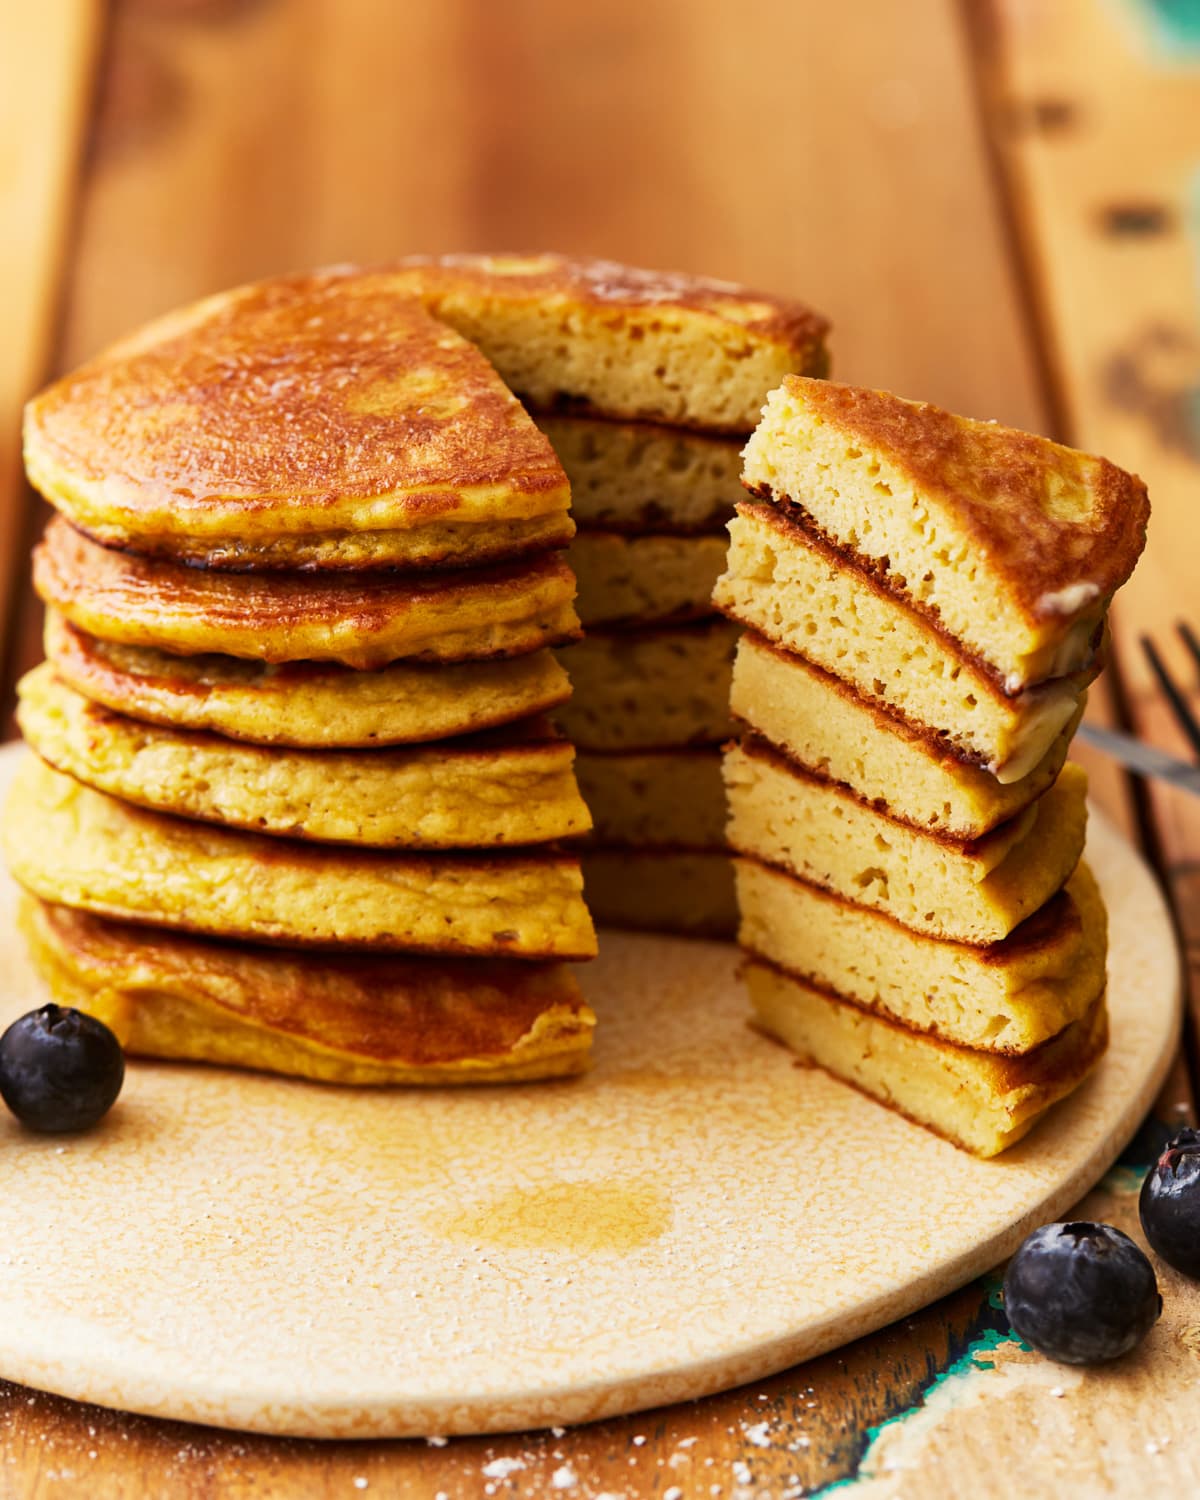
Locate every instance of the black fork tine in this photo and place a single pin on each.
(1179, 704)
(1188, 636)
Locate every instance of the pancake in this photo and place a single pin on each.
(301, 703)
(507, 788)
(638, 476)
(644, 580)
(825, 726)
(336, 1020)
(75, 847)
(1012, 543)
(321, 421)
(1005, 997)
(595, 336)
(687, 891)
(971, 891)
(790, 586)
(361, 620)
(647, 689)
(671, 799)
(447, 544)
(980, 1101)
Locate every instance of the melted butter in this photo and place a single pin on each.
(581, 1217)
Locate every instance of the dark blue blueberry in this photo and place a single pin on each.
(59, 1069)
(1170, 1203)
(1081, 1293)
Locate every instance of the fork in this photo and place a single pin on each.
(1144, 759)
(1184, 716)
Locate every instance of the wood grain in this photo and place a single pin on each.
(834, 152)
(631, 130)
(222, 153)
(47, 55)
(1097, 134)
(817, 1419)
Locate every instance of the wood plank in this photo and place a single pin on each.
(627, 129)
(1095, 128)
(630, 130)
(47, 57)
(803, 1428)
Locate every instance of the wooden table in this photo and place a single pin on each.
(992, 201)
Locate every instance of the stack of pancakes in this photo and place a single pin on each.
(925, 597)
(297, 803)
(301, 593)
(646, 385)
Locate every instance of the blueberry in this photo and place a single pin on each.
(1170, 1203)
(1081, 1293)
(59, 1069)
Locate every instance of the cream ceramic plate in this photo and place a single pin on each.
(697, 1212)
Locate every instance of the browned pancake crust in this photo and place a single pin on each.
(412, 551)
(291, 406)
(1002, 484)
(419, 1012)
(793, 524)
(362, 620)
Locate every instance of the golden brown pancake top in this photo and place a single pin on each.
(1045, 514)
(612, 290)
(295, 396)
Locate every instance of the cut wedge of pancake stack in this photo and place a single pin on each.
(646, 384)
(651, 706)
(924, 599)
(297, 803)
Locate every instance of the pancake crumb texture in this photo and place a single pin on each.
(975, 893)
(1014, 543)
(644, 580)
(647, 689)
(671, 799)
(979, 1100)
(1007, 997)
(831, 730)
(642, 477)
(593, 335)
(801, 598)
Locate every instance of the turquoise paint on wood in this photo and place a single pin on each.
(971, 1365)
(1173, 27)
